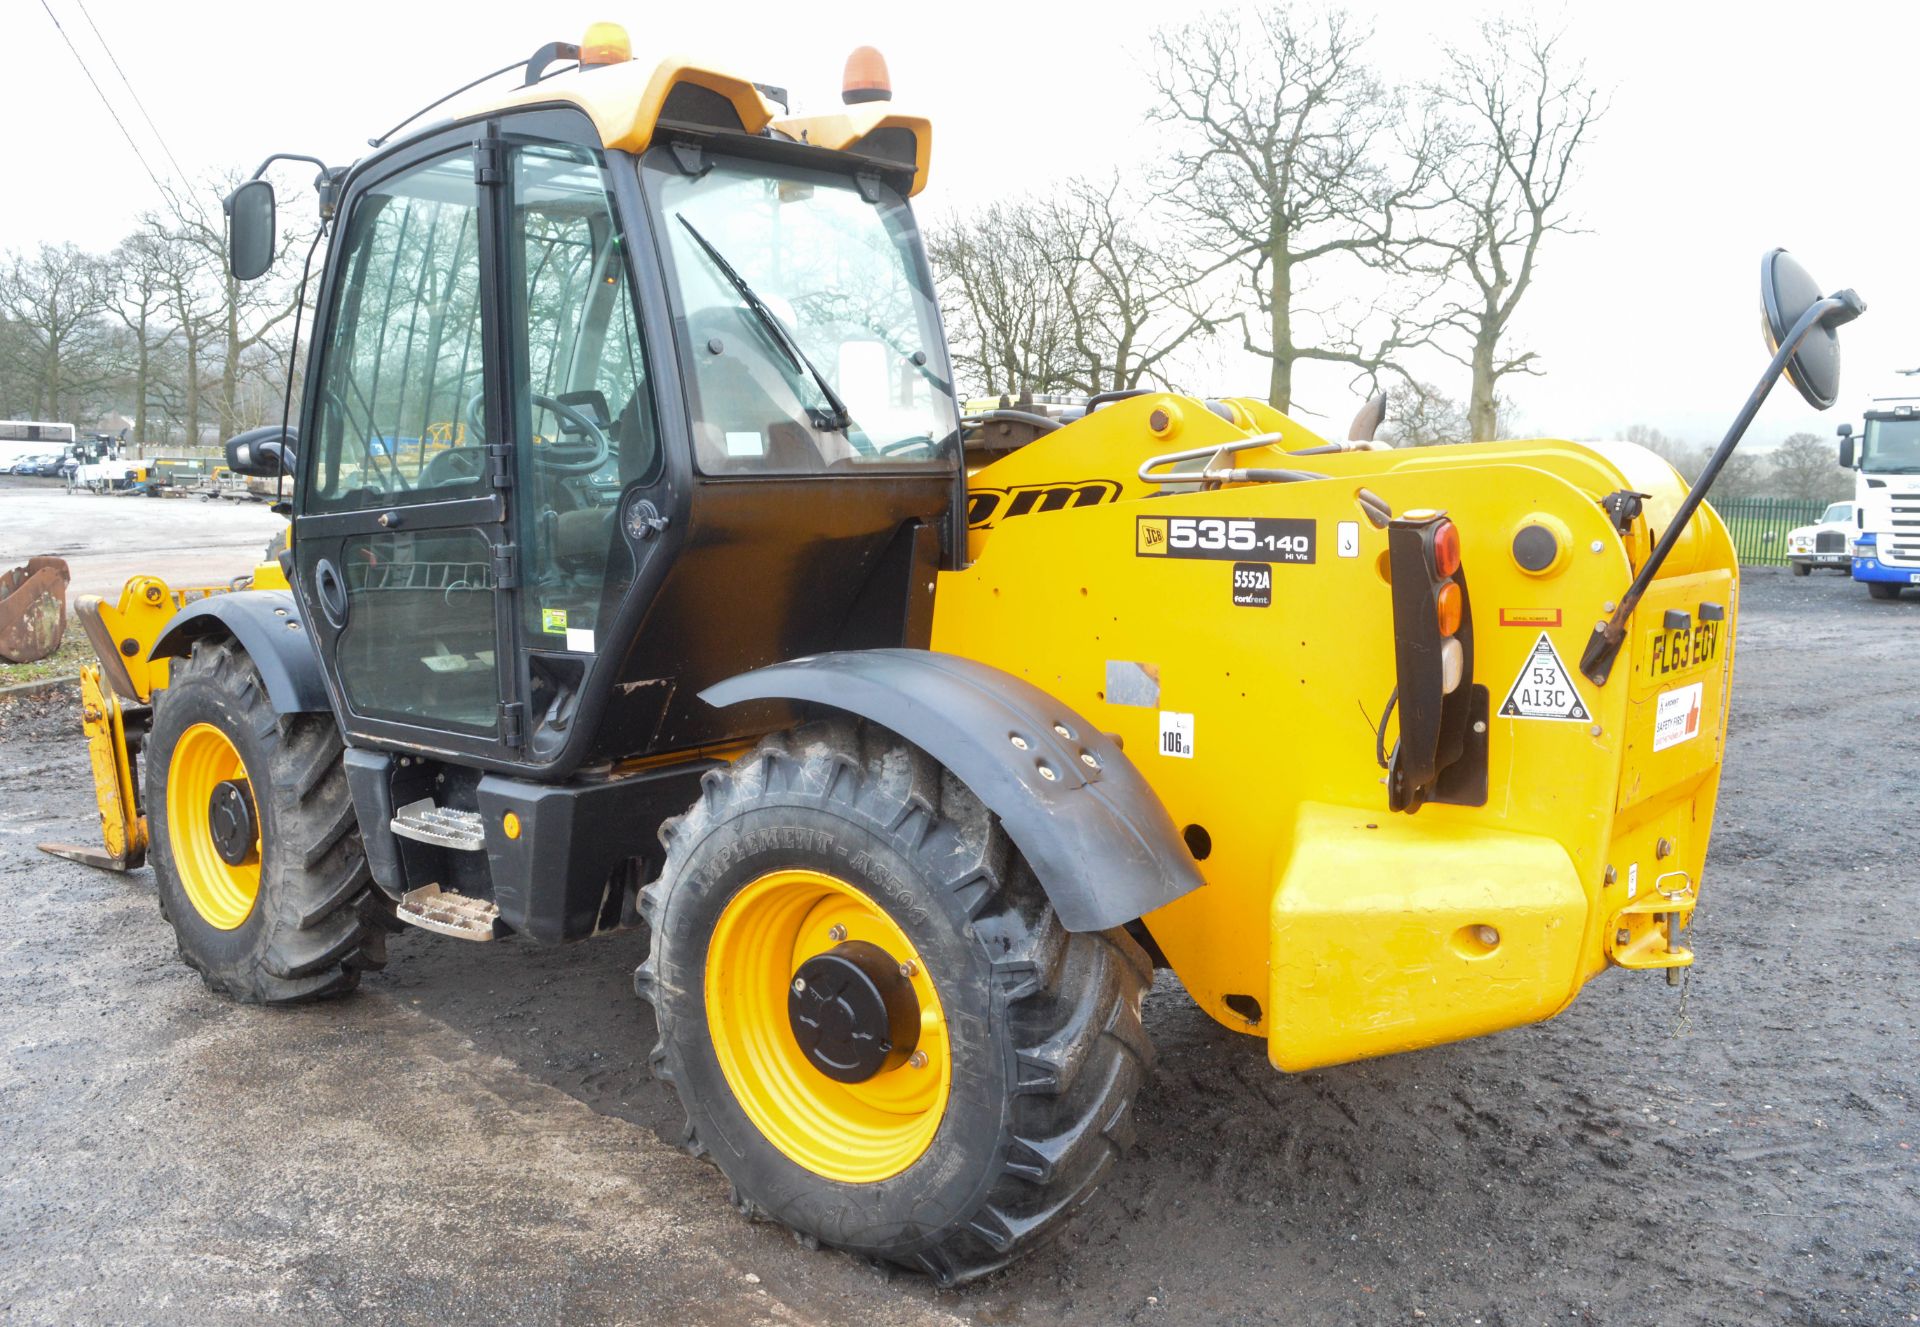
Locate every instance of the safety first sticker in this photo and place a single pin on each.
(1676, 716)
(1545, 688)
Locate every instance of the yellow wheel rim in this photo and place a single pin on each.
(856, 1133)
(221, 892)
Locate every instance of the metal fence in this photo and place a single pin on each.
(1759, 526)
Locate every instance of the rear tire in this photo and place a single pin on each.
(1883, 589)
(1042, 1042)
(315, 921)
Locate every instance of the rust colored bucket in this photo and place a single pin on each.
(33, 609)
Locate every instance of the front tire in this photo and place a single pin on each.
(1030, 1043)
(255, 850)
(1802, 569)
(1883, 589)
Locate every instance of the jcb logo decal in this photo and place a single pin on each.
(985, 506)
(1226, 538)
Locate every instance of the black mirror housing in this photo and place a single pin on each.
(1846, 449)
(264, 453)
(1787, 291)
(250, 229)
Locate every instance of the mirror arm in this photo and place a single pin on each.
(1604, 645)
(326, 183)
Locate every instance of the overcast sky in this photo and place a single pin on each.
(1733, 128)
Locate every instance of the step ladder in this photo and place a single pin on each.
(443, 912)
(424, 822)
(430, 907)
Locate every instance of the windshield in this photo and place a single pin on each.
(812, 337)
(1892, 447)
(1837, 513)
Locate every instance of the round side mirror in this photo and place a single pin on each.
(1787, 291)
(250, 229)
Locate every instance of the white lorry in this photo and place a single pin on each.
(1885, 458)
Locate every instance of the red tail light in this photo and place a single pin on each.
(1446, 553)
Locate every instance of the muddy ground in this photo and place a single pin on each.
(475, 1139)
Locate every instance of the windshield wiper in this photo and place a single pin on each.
(838, 418)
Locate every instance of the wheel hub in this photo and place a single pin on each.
(853, 1012)
(230, 820)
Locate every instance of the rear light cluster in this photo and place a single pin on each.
(1442, 539)
(1433, 656)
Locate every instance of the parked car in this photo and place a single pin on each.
(1824, 543)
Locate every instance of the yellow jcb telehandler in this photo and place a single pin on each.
(642, 570)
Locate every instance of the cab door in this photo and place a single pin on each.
(405, 561)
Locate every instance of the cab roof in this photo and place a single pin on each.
(630, 104)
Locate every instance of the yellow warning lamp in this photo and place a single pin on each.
(605, 44)
(866, 78)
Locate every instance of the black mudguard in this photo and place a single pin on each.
(1098, 839)
(267, 624)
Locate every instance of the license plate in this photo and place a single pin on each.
(1913, 578)
(1673, 652)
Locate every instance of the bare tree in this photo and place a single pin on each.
(243, 314)
(186, 286)
(1520, 109)
(1421, 415)
(1132, 300)
(1293, 159)
(139, 300)
(1005, 318)
(1806, 466)
(53, 300)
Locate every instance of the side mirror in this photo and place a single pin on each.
(1846, 446)
(264, 453)
(250, 229)
(1787, 291)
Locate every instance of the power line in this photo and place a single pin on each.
(104, 100)
(158, 136)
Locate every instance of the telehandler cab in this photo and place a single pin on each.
(644, 567)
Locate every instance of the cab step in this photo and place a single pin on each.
(446, 913)
(424, 822)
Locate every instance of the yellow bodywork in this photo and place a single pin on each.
(625, 100)
(1334, 927)
(116, 696)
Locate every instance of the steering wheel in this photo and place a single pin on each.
(547, 458)
(456, 465)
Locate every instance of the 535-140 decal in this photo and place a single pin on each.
(1227, 538)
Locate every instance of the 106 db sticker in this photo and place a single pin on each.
(1227, 538)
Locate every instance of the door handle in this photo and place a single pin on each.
(331, 590)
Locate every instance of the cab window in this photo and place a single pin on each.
(402, 386)
(580, 393)
(812, 336)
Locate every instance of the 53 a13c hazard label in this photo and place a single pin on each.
(1545, 688)
(1228, 538)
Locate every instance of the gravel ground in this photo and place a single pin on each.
(107, 538)
(475, 1138)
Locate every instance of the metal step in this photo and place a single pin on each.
(427, 823)
(434, 909)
